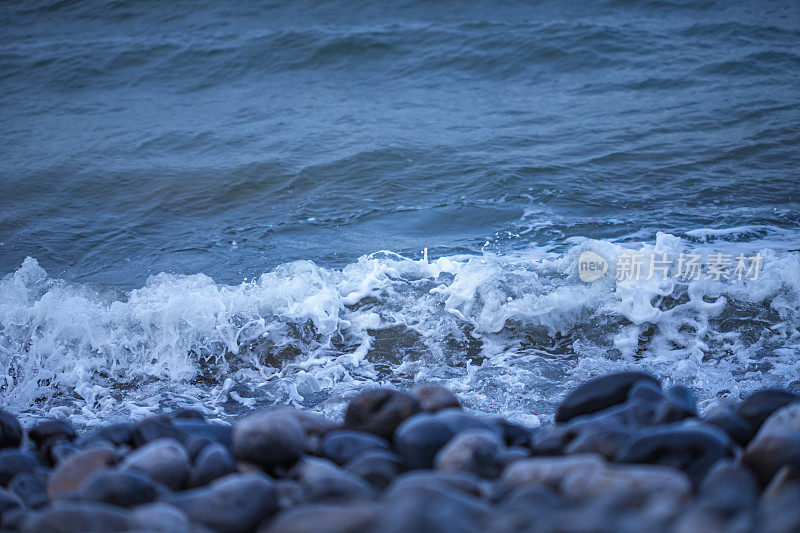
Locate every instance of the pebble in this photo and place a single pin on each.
(776, 444)
(155, 428)
(599, 393)
(607, 442)
(376, 467)
(550, 440)
(164, 460)
(513, 434)
(49, 431)
(729, 487)
(465, 482)
(460, 421)
(587, 477)
(342, 445)
(213, 462)
(757, 407)
(14, 462)
(478, 451)
(725, 417)
(80, 517)
(31, 487)
(9, 500)
(236, 503)
(116, 434)
(73, 470)
(431, 508)
(380, 411)
(691, 448)
(125, 488)
(420, 438)
(628, 456)
(323, 518)
(161, 516)
(10, 430)
(323, 480)
(433, 397)
(269, 439)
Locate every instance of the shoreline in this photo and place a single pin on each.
(623, 455)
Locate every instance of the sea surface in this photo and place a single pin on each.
(227, 205)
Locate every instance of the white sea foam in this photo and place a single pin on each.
(509, 333)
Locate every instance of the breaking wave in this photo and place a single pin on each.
(508, 332)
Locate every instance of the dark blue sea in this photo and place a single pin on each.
(232, 204)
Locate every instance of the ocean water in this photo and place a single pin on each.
(232, 204)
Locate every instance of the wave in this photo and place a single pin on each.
(510, 333)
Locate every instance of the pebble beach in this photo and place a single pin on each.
(624, 454)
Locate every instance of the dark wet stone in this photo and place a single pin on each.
(160, 516)
(154, 428)
(236, 503)
(321, 518)
(420, 438)
(729, 487)
(627, 416)
(14, 519)
(80, 517)
(269, 440)
(213, 462)
(433, 397)
(530, 497)
(9, 500)
(599, 393)
(513, 434)
(10, 430)
(524, 509)
(514, 453)
(188, 414)
(342, 445)
(195, 444)
(376, 467)
(193, 428)
(460, 421)
(164, 460)
(380, 411)
(465, 482)
(682, 397)
(72, 471)
(779, 511)
(550, 440)
(645, 391)
(124, 488)
(324, 481)
(605, 442)
(679, 403)
(14, 462)
(777, 444)
(312, 424)
(116, 434)
(588, 478)
(760, 404)
(431, 508)
(290, 493)
(477, 451)
(692, 448)
(48, 431)
(725, 418)
(60, 450)
(31, 487)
